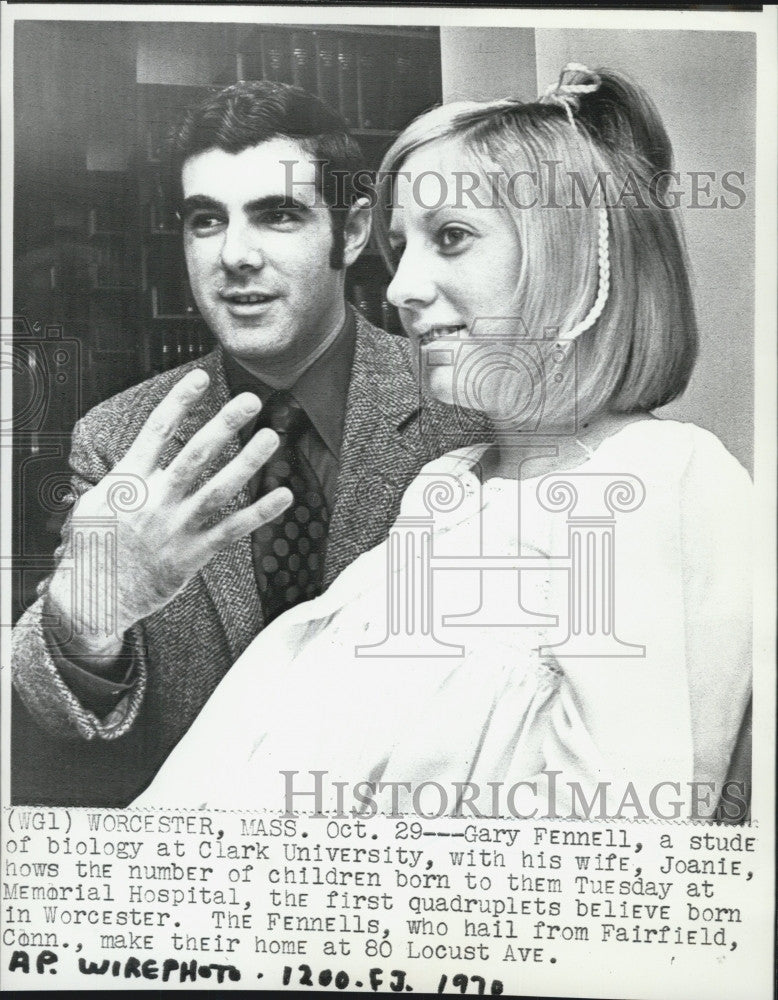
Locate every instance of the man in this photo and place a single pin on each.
(209, 537)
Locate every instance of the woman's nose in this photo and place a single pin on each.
(241, 249)
(412, 284)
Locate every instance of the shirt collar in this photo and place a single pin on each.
(321, 389)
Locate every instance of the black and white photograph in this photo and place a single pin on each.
(388, 499)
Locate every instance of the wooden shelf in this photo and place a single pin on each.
(430, 33)
(110, 234)
(177, 317)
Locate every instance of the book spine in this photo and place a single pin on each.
(276, 63)
(303, 61)
(390, 320)
(370, 85)
(180, 354)
(365, 298)
(348, 100)
(166, 359)
(251, 65)
(327, 69)
(402, 100)
(162, 214)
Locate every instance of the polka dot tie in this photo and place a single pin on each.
(289, 551)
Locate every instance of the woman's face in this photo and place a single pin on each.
(457, 258)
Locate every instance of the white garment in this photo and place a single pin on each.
(508, 709)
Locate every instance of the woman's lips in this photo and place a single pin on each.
(434, 333)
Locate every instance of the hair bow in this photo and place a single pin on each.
(567, 95)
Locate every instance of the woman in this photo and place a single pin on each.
(542, 280)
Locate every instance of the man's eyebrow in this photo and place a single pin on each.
(198, 201)
(273, 202)
(268, 203)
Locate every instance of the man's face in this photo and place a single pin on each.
(261, 274)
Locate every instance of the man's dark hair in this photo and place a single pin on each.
(245, 114)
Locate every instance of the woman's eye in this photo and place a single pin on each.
(452, 237)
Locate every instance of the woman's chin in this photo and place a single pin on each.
(438, 384)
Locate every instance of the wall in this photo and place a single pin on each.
(479, 64)
(183, 54)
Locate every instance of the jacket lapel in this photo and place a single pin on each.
(382, 446)
(229, 576)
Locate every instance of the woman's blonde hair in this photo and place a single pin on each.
(596, 141)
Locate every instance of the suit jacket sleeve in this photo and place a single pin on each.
(51, 701)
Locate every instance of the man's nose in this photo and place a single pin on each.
(241, 249)
(412, 284)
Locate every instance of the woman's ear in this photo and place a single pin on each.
(356, 232)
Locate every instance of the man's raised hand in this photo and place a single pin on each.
(149, 548)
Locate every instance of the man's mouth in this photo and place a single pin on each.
(439, 332)
(246, 298)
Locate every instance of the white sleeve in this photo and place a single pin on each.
(716, 520)
(635, 706)
(682, 575)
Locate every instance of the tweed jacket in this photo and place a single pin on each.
(181, 653)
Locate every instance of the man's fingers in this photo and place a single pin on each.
(244, 521)
(163, 421)
(227, 482)
(209, 442)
